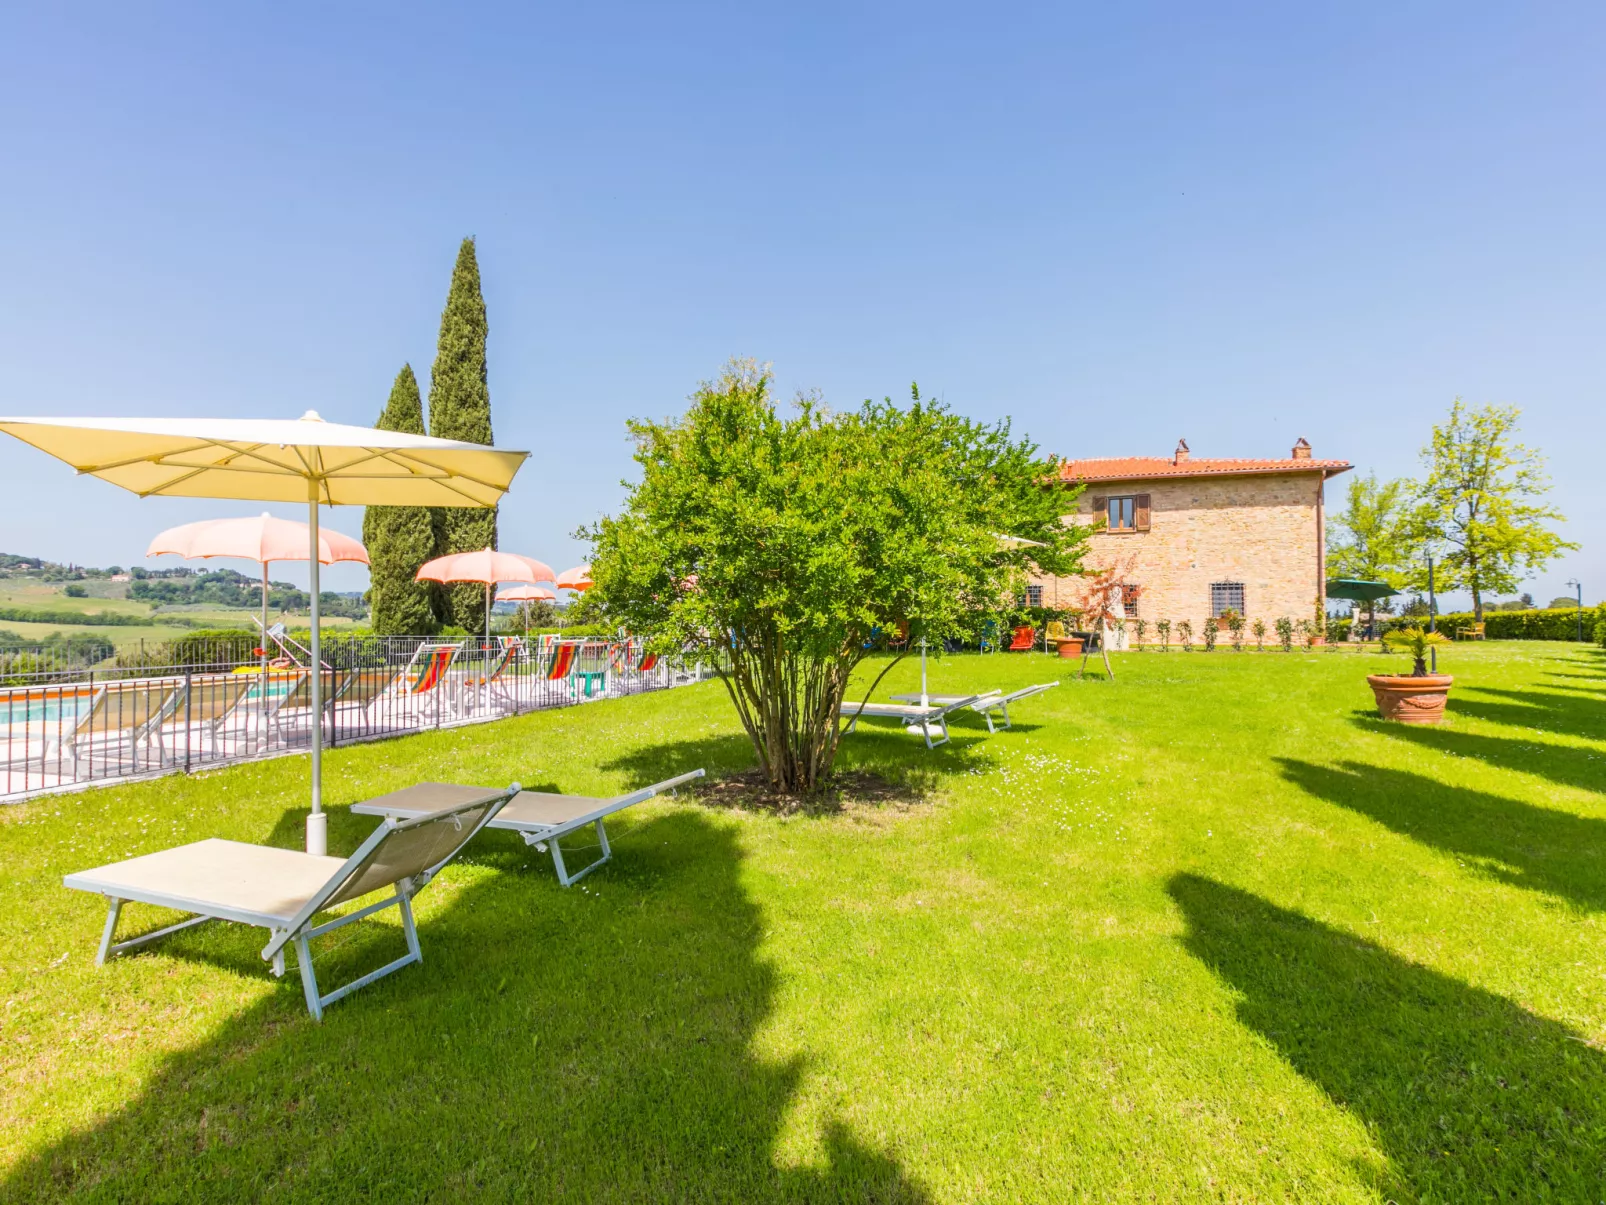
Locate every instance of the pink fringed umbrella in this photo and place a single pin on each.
(261, 538)
(578, 578)
(487, 566)
(525, 594)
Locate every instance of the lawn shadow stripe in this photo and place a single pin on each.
(1469, 1096)
(562, 1044)
(1517, 843)
(1567, 765)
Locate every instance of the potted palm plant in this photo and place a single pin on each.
(1419, 696)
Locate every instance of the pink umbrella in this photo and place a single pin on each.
(488, 566)
(260, 538)
(578, 578)
(525, 594)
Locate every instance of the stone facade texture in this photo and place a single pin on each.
(1262, 531)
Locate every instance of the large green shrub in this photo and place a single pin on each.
(1557, 623)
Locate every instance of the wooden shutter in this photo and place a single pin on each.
(1140, 508)
(1101, 507)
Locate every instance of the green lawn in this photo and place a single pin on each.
(1208, 932)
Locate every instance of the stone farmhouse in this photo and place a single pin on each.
(1202, 535)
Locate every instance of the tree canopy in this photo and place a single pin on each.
(460, 408)
(779, 545)
(400, 538)
(1480, 503)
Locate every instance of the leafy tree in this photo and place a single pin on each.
(776, 545)
(400, 538)
(1163, 627)
(1185, 634)
(1479, 501)
(1259, 630)
(1372, 539)
(460, 408)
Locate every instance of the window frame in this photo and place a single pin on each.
(1117, 502)
(1226, 587)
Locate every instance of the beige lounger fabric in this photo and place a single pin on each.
(218, 873)
(898, 711)
(427, 797)
(542, 807)
(527, 807)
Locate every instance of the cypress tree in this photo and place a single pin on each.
(400, 538)
(460, 408)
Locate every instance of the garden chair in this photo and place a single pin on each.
(912, 715)
(1473, 631)
(284, 890)
(561, 663)
(424, 680)
(541, 818)
(1023, 640)
(988, 641)
(987, 703)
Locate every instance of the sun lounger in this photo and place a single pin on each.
(542, 819)
(911, 714)
(283, 890)
(988, 703)
(213, 700)
(137, 708)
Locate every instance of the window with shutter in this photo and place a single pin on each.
(1142, 512)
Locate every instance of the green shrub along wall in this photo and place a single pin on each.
(1560, 623)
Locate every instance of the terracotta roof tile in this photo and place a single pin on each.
(1134, 468)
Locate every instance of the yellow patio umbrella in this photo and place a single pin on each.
(279, 460)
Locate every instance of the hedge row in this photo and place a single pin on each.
(1558, 624)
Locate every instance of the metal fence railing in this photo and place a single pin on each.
(184, 705)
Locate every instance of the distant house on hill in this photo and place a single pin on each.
(1204, 534)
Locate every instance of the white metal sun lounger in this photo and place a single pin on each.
(912, 714)
(540, 817)
(988, 703)
(283, 890)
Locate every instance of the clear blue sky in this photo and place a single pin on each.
(1117, 224)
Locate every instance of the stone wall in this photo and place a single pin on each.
(1264, 531)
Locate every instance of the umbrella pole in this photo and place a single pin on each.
(317, 822)
(262, 668)
(487, 625)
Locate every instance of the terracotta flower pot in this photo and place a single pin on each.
(1411, 700)
(1070, 649)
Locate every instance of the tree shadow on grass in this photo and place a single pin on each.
(1469, 1096)
(1546, 711)
(890, 752)
(1513, 842)
(554, 1045)
(1568, 765)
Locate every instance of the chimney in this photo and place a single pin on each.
(1302, 449)
(1182, 452)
